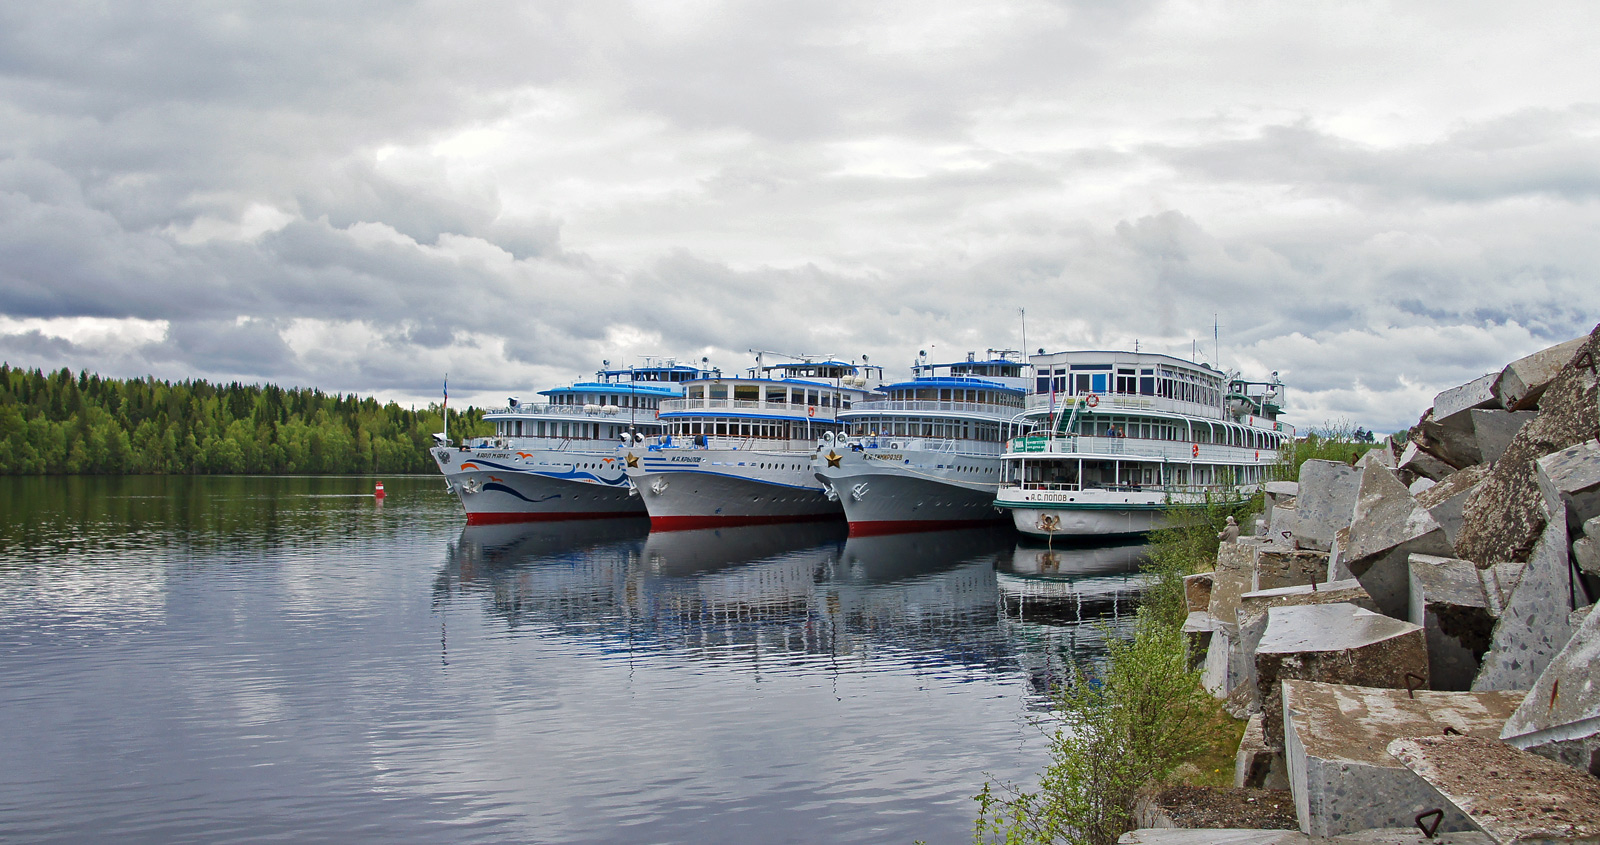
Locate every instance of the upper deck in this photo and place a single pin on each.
(795, 391)
(1161, 385)
(992, 388)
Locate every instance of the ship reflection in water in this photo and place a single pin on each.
(804, 597)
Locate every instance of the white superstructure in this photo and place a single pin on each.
(563, 458)
(1123, 435)
(738, 450)
(927, 453)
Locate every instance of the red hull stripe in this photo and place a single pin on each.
(902, 526)
(684, 523)
(501, 518)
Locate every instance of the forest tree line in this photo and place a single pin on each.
(61, 422)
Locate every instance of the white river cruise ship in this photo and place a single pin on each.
(928, 455)
(563, 458)
(1123, 435)
(738, 450)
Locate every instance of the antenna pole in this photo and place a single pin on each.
(1024, 313)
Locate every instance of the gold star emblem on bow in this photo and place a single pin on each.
(833, 458)
(633, 462)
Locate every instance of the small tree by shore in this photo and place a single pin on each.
(1127, 724)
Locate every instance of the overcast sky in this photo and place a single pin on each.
(1376, 200)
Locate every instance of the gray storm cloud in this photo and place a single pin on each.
(1378, 202)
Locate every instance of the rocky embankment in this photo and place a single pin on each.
(1414, 638)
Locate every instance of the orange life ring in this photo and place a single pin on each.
(1093, 400)
(1197, 450)
(811, 410)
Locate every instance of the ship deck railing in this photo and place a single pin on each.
(787, 409)
(1136, 448)
(734, 444)
(540, 409)
(889, 442)
(1138, 402)
(931, 406)
(1220, 490)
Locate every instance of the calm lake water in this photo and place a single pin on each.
(283, 659)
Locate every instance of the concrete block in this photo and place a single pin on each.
(1533, 625)
(1258, 765)
(1420, 485)
(1389, 526)
(1448, 600)
(1285, 520)
(1336, 740)
(1504, 517)
(1197, 590)
(1277, 567)
(1470, 437)
(1415, 460)
(1232, 578)
(1252, 617)
(1197, 636)
(1411, 836)
(1586, 555)
(1335, 643)
(1337, 570)
(1560, 718)
(1212, 836)
(1276, 493)
(1570, 479)
(1446, 500)
(1494, 430)
(1478, 393)
(1326, 503)
(1524, 380)
(1508, 793)
(1223, 670)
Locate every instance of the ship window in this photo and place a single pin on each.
(719, 391)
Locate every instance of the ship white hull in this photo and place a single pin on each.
(498, 486)
(886, 493)
(703, 488)
(1086, 513)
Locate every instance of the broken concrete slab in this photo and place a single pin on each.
(1335, 643)
(1570, 479)
(1446, 500)
(1494, 430)
(1560, 718)
(1586, 554)
(1326, 503)
(1202, 807)
(1212, 836)
(1420, 485)
(1197, 636)
(1389, 526)
(1523, 381)
(1411, 836)
(1504, 517)
(1449, 601)
(1415, 460)
(1285, 520)
(1276, 567)
(1335, 745)
(1470, 437)
(1257, 765)
(1197, 590)
(1252, 616)
(1478, 393)
(1508, 793)
(1232, 578)
(1223, 670)
(1533, 625)
(1337, 571)
(1275, 493)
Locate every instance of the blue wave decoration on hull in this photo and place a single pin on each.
(621, 480)
(504, 489)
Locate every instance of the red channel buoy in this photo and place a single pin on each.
(378, 493)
